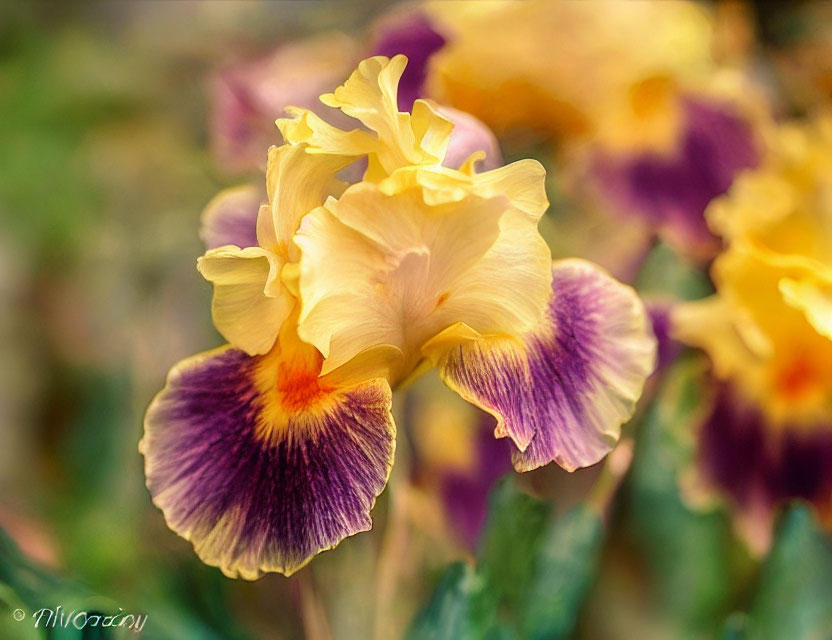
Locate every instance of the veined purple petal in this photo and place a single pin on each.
(261, 471)
(673, 191)
(756, 462)
(412, 34)
(562, 392)
(231, 218)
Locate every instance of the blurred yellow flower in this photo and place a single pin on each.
(769, 327)
(569, 68)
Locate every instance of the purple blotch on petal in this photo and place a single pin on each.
(563, 392)
(757, 462)
(672, 192)
(250, 505)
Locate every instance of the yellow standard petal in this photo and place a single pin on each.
(249, 305)
(296, 183)
(369, 95)
(408, 269)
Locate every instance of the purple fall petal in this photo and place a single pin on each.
(252, 491)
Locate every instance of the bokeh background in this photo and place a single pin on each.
(106, 161)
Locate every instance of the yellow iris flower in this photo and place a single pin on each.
(769, 327)
(274, 448)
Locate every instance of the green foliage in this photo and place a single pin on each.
(532, 575)
(461, 607)
(28, 587)
(515, 527)
(563, 575)
(665, 272)
(792, 597)
(25, 587)
(697, 563)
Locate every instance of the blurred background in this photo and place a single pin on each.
(117, 127)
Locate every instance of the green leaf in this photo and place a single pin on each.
(564, 571)
(664, 272)
(511, 540)
(533, 573)
(735, 627)
(459, 609)
(794, 594)
(697, 562)
(30, 588)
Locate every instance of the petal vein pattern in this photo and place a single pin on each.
(260, 464)
(562, 391)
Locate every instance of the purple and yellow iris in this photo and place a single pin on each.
(650, 123)
(268, 450)
(671, 188)
(768, 332)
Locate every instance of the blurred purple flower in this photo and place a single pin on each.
(465, 493)
(248, 97)
(759, 465)
(673, 190)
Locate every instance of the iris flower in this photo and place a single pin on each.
(768, 332)
(275, 446)
(654, 128)
(704, 141)
(564, 69)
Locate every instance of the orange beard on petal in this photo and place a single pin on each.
(298, 385)
(289, 389)
(797, 379)
(799, 387)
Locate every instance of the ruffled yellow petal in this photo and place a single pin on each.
(424, 268)
(508, 290)
(761, 333)
(431, 129)
(341, 313)
(709, 324)
(306, 127)
(813, 298)
(249, 304)
(296, 182)
(522, 182)
(369, 96)
(780, 208)
(750, 284)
